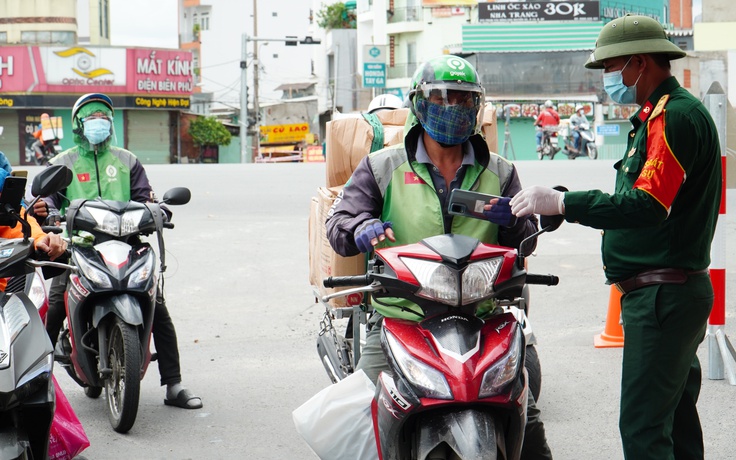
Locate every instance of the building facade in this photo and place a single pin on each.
(44, 69)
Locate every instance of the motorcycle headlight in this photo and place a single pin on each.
(424, 377)
(504, 371)
(478, 279)
(93, 274)
(440, 283)
(141, 274)
(437, 281)
(116, 225)
(130, 221)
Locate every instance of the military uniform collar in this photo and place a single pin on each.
(666, 87)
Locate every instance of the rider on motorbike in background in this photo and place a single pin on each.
(122, 178)
(548, 118)
(43, 149)
(577, 120)
(399, 195)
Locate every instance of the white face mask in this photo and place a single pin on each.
(97, 130)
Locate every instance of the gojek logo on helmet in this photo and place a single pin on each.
(457, 67)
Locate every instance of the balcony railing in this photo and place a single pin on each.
(405, 14)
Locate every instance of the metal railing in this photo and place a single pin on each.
(405, 14)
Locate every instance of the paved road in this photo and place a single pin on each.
(238, 292)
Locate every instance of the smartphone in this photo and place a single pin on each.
(19, 173)
(12, 193)
(469, 204)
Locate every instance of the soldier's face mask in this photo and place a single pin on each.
(613, 83)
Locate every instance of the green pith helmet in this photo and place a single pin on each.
(630, 35)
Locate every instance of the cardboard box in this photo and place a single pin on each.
(349, 140)
(489, 128)
(323, 260)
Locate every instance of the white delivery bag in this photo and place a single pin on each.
(336, 423)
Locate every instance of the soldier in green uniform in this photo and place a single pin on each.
(658, 228)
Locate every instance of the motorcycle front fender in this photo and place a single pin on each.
(127, 307)
(471, 433)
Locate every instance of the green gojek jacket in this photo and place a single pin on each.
(111, 174)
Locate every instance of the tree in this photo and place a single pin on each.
(206, 131)
(336, 16)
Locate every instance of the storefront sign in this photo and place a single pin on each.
(79, 69)
(538, 11)
(374, 66)
(435, 3)
(15, 70)
(284, 134)
(161, 71)
(87, 68)
(159, 102)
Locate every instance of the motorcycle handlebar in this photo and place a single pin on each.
(168, 225)
(342, 281)
(548, 280)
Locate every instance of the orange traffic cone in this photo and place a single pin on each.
(613, 335)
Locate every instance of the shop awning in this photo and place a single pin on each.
(530, 37)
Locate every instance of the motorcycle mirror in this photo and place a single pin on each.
(51, 180)
(177, 195)
(551, 223)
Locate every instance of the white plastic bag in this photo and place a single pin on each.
(337, 423)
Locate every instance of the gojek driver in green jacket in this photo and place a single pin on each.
(399, 195)
(111, 173)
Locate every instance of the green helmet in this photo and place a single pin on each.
(447, 83)
(630, 35)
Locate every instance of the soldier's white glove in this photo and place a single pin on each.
(538, 200)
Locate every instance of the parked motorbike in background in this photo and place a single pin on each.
(27, 398)
(458, 386)
(587, 141)
(110, 298)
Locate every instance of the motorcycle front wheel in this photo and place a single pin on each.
(123, 386)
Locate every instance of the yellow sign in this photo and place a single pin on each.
(284, 134)
(162, 102)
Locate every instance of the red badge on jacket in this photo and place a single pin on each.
(412, 178)
(83, 177)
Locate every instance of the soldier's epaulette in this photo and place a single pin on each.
(660, 106)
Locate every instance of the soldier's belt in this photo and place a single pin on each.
(657, 276)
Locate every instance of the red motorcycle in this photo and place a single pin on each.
(458, 386)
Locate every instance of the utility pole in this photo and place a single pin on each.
(256, 108)
(245, 155)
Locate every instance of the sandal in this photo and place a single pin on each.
(186, 400)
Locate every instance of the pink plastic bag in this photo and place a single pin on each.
(68, 438)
